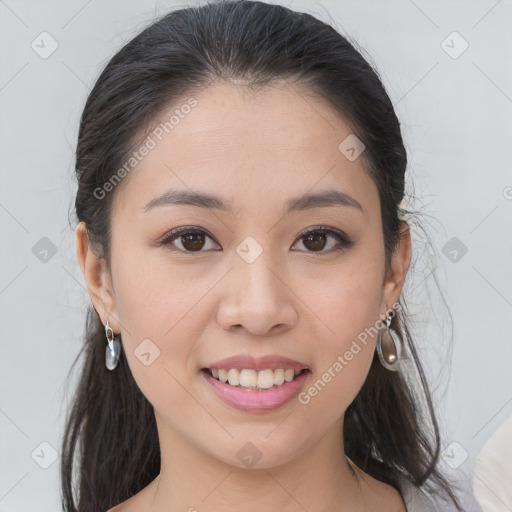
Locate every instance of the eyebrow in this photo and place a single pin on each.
(320, 199)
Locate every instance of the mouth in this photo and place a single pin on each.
(255, 380)
(256, 391)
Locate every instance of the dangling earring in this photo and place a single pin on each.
(389, 346)
(113, 348)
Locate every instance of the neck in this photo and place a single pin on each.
(322, 479)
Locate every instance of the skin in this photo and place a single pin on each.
(257, 150)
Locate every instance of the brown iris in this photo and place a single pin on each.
(318, 241)
(193, 241)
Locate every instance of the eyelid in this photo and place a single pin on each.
(344, 241)
(327, 229)
(342, 238)
(176, 232)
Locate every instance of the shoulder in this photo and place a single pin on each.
(492, 471)
(125, 506)
(378, 495)
(130, 505)
(415, 499)
(136, 503)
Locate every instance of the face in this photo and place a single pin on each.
(257, 278)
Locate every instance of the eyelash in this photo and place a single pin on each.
(343, 241)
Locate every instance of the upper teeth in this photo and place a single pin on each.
(263, 379)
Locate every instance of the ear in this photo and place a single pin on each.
(399, 265)
(97, 279)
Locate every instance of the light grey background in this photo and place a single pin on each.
(455, 114)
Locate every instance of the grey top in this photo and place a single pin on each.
(415, 499)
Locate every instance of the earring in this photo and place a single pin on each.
(389, 346)
(113, 348)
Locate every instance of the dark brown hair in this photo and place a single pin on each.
(111, 425)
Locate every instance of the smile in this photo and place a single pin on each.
(243, 389)
(252, 379)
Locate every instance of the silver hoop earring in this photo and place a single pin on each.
(113, 348)
(389, 346)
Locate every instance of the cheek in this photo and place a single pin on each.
(342, 357)
(158, 303)
(161, 312)
(346, 303)
(151, 294)
(160, 323)
(346, 311)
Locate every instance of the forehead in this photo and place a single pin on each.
(265, 145)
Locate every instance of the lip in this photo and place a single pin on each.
(244, 361)
(256, 401)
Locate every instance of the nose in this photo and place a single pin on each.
(257, 299)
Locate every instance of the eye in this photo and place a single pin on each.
(192, 239)
(316, 239)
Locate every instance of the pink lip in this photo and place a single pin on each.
(256, 401)
(263, 363)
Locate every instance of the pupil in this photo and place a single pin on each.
(190, 237)
(314, 241)
(312, 237)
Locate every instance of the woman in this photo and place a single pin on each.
(240, 172)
